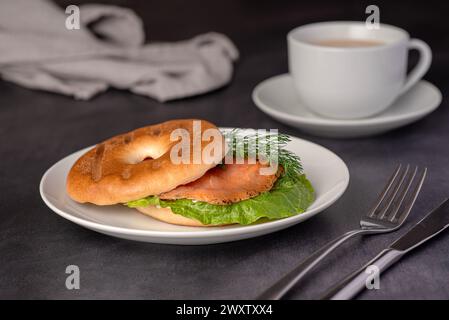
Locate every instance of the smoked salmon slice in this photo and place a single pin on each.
(225, 184)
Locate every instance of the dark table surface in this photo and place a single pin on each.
(39, 128)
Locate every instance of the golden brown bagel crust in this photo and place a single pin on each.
(115, 171)
(166, 215)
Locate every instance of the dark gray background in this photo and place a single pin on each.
(39, 128)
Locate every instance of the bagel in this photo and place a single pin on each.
(166, 215)
(170, 172)
(137, 164)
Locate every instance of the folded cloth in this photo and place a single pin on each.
(37, 51)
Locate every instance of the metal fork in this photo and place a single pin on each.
(388, 214)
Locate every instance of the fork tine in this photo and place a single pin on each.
(403, 215)
(395, 191)
(385, 191)
(401, 196)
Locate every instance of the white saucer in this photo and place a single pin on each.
(326, 171)
(276, 97)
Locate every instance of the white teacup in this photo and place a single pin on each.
(349, 82)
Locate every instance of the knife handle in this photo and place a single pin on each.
(350, 286)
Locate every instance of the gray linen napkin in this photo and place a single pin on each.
(37, 51)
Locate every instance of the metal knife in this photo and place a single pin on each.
(428, 227)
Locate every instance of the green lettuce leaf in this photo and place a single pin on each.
(288, 197)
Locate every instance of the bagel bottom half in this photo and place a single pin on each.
(166, 215)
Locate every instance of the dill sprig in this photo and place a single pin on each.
(270, 146)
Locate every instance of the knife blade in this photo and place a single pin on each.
(428, 227)
(432, 224)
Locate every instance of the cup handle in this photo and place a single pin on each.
(423, 65)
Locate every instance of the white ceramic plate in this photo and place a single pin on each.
(276, 97)
(326, 171)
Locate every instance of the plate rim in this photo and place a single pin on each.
(248, 229)
(374, 120)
